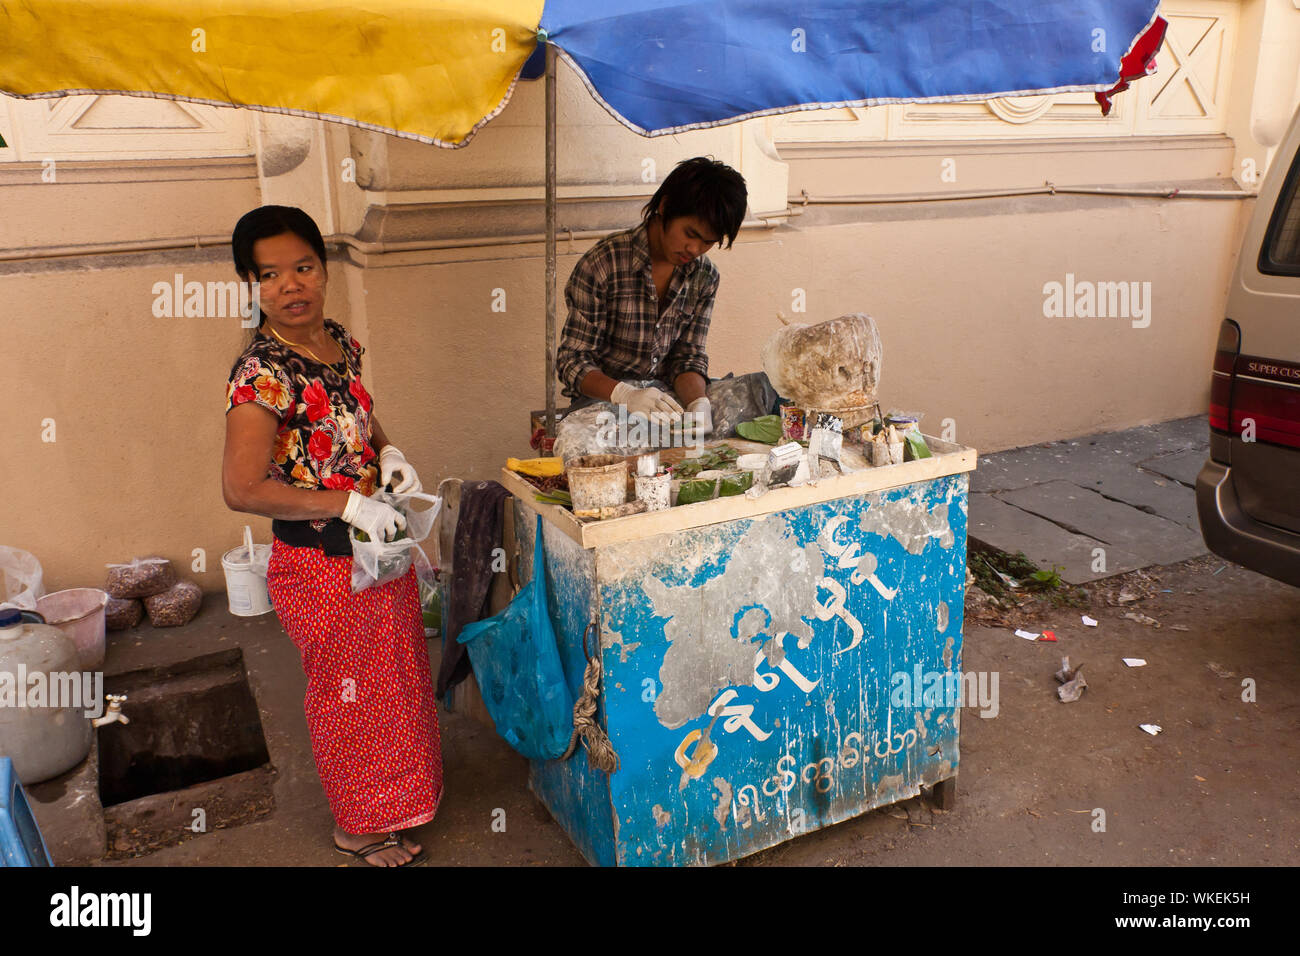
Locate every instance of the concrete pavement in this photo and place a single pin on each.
(1099, 505)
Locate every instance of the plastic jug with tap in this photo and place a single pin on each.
(44, 698)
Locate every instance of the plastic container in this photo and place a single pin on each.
(245, 569)
(597, 481)
(78, 613)
(21, 843)
(886, 453)
(654, 490)
(46, 732)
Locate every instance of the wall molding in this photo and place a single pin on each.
(992, 147)
(109, 171)
(122, 127)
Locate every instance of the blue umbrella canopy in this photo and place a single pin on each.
(665, 66)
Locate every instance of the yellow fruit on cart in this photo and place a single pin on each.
(537, 467)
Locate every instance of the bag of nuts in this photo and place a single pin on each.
(120, 613)
(175, 606)
(141, 578)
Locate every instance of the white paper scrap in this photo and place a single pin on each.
(1152, 729)
(1026, 635)
(1089, 622)
(1135, 662)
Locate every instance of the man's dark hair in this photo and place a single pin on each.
(265, 222)
(706, 188)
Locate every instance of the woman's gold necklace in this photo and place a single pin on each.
(299, 346)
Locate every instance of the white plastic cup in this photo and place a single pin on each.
(245, 569)
(654, 490)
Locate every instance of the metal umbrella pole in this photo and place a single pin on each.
(550, 240)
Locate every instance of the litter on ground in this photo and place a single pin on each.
(1071, 681)
(1141, 618)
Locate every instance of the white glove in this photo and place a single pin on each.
(378, 520)
(393, 463)
(654, 404)
(700, 417)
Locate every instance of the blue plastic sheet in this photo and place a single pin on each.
(517, 665)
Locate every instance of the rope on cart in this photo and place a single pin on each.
(600, 752)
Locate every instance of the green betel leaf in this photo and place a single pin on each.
(736, 484)
(689, 468)
(765, 428)
(698, 490)
(916, 446)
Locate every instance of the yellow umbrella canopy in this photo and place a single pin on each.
(429, 70)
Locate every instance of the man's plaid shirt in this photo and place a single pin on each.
(614, 324)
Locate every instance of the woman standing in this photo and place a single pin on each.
(303, 447)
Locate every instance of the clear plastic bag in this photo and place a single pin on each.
(141, 578)
(378, 562)
(426, 576)
(593, 430)
(21, 578)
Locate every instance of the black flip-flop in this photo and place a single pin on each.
(392, 840)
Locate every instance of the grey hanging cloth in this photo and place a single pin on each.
(478, 531)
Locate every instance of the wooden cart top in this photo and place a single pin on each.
(947, 459)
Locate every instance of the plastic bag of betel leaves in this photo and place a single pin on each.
(378, 562)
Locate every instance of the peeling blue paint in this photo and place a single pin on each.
(722, 756)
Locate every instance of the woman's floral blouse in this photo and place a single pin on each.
(324, 412)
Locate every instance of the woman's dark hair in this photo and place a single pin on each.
(265, 222)
(706, 188)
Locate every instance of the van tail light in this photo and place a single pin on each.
(1225, 358)
(1266, 397)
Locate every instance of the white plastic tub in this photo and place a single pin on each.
(245, 569)
(78, 613)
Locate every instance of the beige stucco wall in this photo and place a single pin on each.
(956, 288)
(137, 400)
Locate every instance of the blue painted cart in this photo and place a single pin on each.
(770, 666)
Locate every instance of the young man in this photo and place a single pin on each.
(640, 300)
